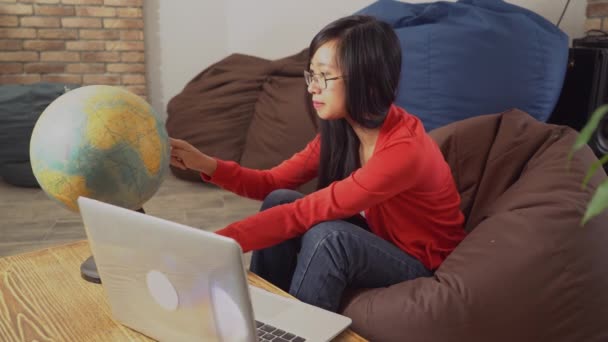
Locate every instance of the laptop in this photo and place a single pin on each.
(172, 282)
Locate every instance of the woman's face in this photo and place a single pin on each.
(329, 102)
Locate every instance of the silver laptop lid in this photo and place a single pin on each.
(166, 280)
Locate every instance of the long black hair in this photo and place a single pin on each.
(369, 54)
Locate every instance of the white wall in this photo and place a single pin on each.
(180, 42)
(184, 37)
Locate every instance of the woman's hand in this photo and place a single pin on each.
(186, 156)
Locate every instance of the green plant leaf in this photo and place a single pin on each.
(588, 130)
(593, 168)
(598, 203)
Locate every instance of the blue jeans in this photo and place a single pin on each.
(318, 266)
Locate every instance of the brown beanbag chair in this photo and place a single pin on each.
(245, 109)
(527, 271)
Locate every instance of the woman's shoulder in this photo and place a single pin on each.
(400, 124)
(405, 136)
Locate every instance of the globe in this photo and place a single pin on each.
(100, 142)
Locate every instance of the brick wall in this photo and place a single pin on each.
(597, 15)
(73, 41)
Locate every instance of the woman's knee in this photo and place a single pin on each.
(327, 233)
(280, 196)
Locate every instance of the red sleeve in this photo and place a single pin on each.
(257, 184)
(388, 172)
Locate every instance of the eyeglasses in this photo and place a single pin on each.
(320, 79)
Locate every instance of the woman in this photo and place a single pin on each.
(386, 209)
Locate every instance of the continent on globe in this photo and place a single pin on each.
(101, 142)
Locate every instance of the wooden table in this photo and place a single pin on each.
(43, 298)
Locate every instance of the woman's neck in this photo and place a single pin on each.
(367, 136)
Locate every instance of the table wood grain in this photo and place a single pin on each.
(43, 298)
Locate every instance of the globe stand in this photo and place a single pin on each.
(88, 269)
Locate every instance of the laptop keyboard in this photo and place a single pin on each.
(267, 332)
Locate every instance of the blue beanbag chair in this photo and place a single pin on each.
(20, 107)
(473, 57)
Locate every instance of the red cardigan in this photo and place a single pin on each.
(406, 190)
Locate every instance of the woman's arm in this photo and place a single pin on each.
(186, 156)
(391, 171)
(251, 183)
